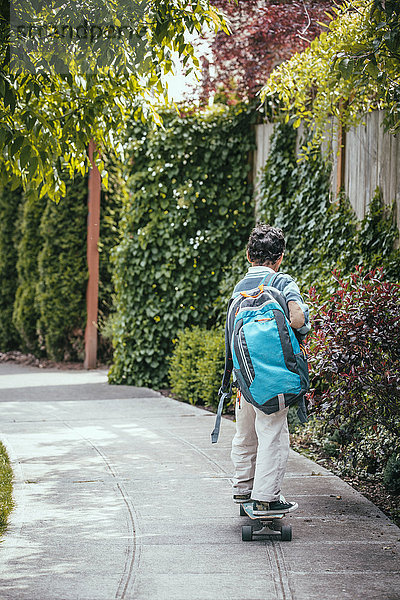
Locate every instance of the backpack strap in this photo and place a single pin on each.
(215, 432)
(267, 280)
(225, 391)
(228, 368)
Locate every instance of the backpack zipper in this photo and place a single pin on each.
(243, 357)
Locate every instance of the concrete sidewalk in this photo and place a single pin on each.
(120, 494)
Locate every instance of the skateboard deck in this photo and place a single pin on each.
(266, 525)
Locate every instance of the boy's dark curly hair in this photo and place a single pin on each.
(266, 244)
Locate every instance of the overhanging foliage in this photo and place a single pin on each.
(263, 34)
(55, 97)
(352, 68)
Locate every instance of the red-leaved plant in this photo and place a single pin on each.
(355, 352)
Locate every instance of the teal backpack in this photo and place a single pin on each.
(264, 353)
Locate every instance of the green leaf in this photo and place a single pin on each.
(373, 69)
(25, 156)
(5, 135)
(345, 66)
(17, 144)
(10, 99)
(33, 164)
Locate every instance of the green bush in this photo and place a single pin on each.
(26, 310)
(6, 485)
(189, 213)
(197, 365)
(354, 448)
(50, 302)
(391, 475)
(61, 290)
(366, 450)
(110, 213)
(10, 201)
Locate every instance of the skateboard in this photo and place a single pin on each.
(266, 526)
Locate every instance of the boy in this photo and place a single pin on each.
(260, 447)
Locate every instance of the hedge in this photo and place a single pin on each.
(10, 202)
(26, 310)
(62, 268)
(48, 306)
(189, 212)
(197, 364)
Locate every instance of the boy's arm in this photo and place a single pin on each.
(298, 310)
(297, 318)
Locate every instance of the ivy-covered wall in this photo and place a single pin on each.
(189, 212)
(322, 234)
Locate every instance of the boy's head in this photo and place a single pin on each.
(266, 245)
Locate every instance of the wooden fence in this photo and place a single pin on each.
(369, 158)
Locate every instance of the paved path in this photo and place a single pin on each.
(113, 487)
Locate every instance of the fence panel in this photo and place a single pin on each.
(263, 136)
(371, 159)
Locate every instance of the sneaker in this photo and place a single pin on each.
(275, 507)
(240, 498)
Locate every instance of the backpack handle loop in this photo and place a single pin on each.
(246, 295)
(267, 280)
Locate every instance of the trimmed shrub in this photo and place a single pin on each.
(10, 201)
(61, 291)
(50, 302)
(197, 365)
(26, 310)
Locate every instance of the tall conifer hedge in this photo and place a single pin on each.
(26, 310)
(44, 270)
(63, 274)
(10, 201)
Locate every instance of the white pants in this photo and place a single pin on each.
(260, 451)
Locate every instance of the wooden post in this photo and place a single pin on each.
(341, 159)
(92, 292)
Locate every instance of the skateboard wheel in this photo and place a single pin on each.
(286, 533)
(276, 525)
(242, 511)
(247, 533)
